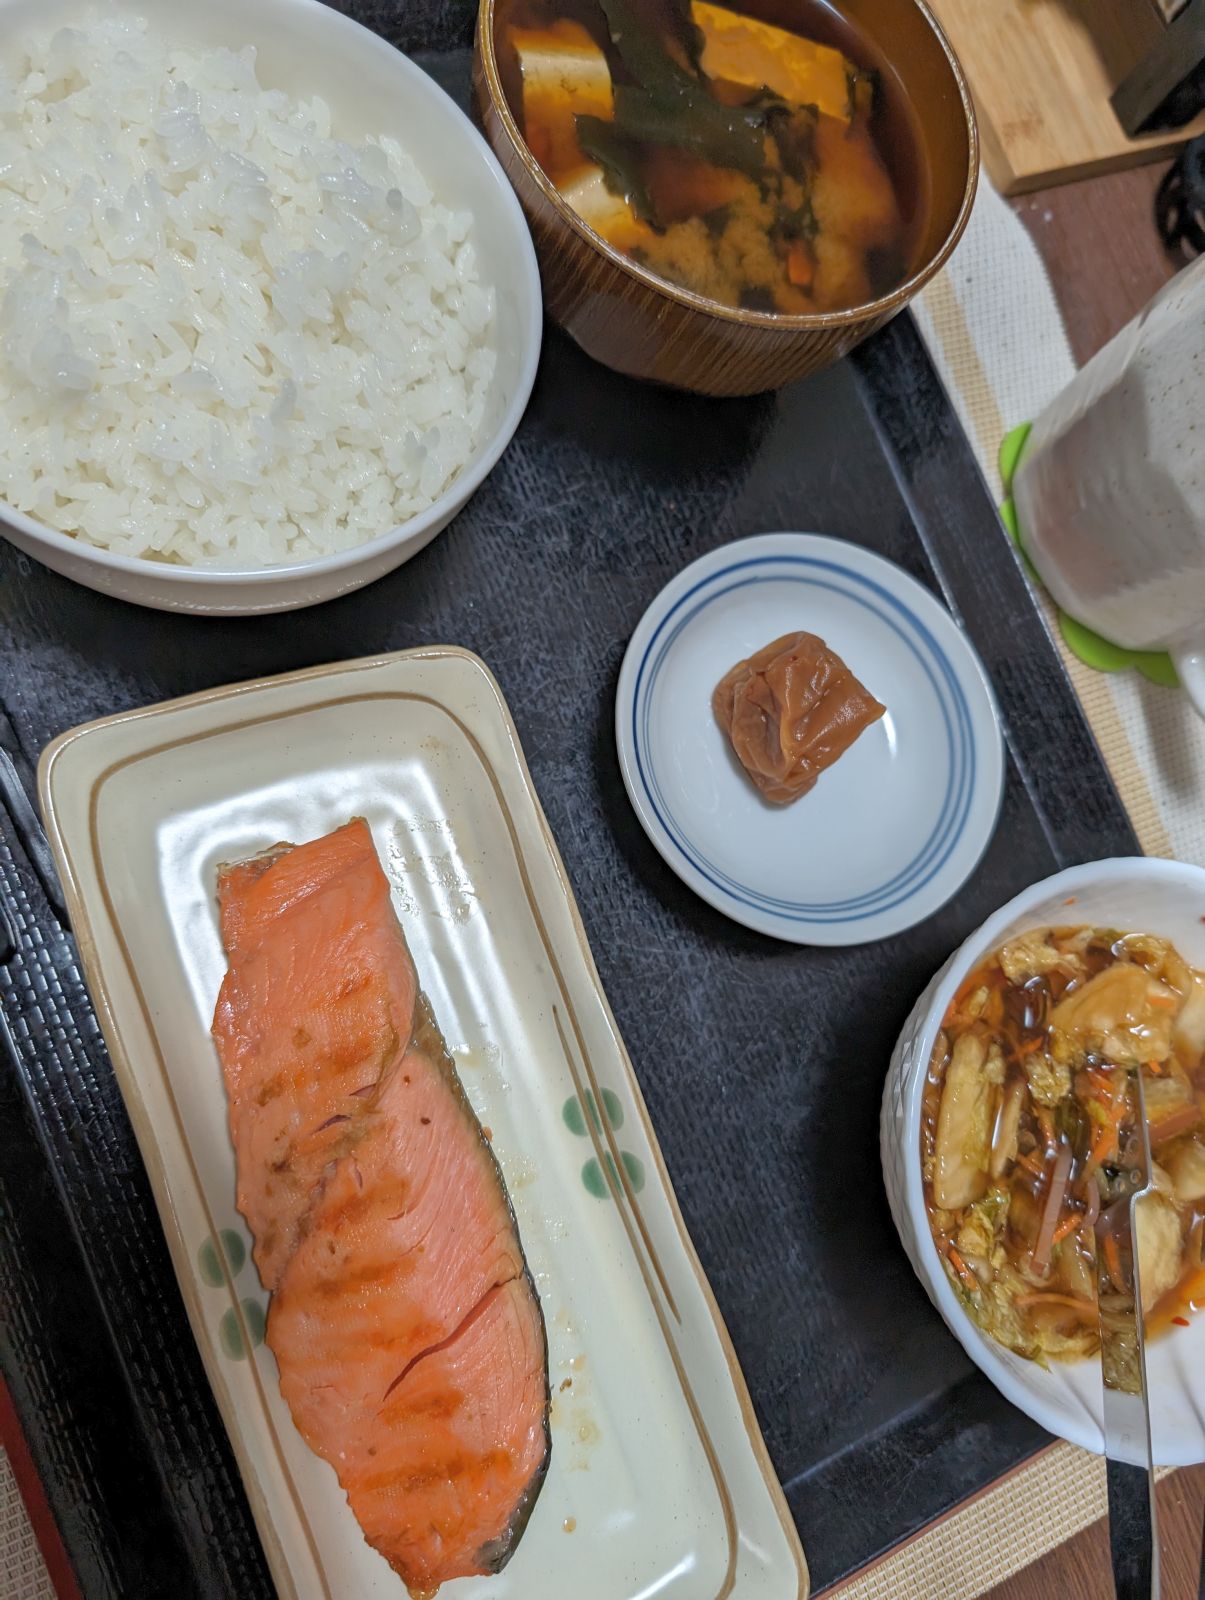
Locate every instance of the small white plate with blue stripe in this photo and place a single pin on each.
(894, 828)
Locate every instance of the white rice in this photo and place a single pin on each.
(226, 336)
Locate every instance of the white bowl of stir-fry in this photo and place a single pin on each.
(1005, 1119)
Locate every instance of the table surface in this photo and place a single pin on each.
(1101, 249)
(1079, 1569)
(1105, 261)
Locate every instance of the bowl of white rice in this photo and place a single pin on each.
(269, 310)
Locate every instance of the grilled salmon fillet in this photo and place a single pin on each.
(404, 1322)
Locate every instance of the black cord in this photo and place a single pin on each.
(1180, 201)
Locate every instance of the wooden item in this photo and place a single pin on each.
(1165, 84)
(1079, 1569)
(1042, 72)
(638, 324)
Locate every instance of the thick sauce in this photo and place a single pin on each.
(1028, 1114)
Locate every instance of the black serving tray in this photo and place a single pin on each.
(762, 1063)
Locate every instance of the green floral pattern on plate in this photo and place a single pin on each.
(209, 1262)
(227, 1253)
(598, 1185)
(230, 1330)
(580, 1115)
(575, 1116)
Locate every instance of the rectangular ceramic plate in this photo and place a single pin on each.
(659, 1481)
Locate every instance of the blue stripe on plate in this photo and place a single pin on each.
(950, 801)
(951, 822)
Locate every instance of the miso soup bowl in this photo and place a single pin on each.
(635, 322)
(1138, 895)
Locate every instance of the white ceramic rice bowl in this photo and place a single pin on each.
(1136, 894)
(306, 47)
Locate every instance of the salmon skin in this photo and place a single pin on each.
(407, 1330)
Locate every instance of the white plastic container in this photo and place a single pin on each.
(1110, 488)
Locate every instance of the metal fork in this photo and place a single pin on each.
(1133, 1508)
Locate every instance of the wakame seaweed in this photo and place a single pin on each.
(794, 131)
(796, 222)
(619, 159)
(727, 136)
(642, 46)
(668, 105)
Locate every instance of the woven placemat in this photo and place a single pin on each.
(23, 1574)
(992, 1535)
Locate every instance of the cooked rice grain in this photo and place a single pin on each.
(227, 337)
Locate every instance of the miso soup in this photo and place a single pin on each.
(765, 157)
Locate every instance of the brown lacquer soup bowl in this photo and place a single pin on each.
(638, 323)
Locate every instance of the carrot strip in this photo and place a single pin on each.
(1181, 1322)
(1104, 1141)
(961, 1268)
(801, 269)
(1031, 1045)
(1155, 1068)
(1068, 1225)
(1031, 1164)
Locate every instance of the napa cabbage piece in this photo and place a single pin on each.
(1031, 957)
(1010, 1310)
(1189, 1031)
(1049, 1079)
(983, 1225)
